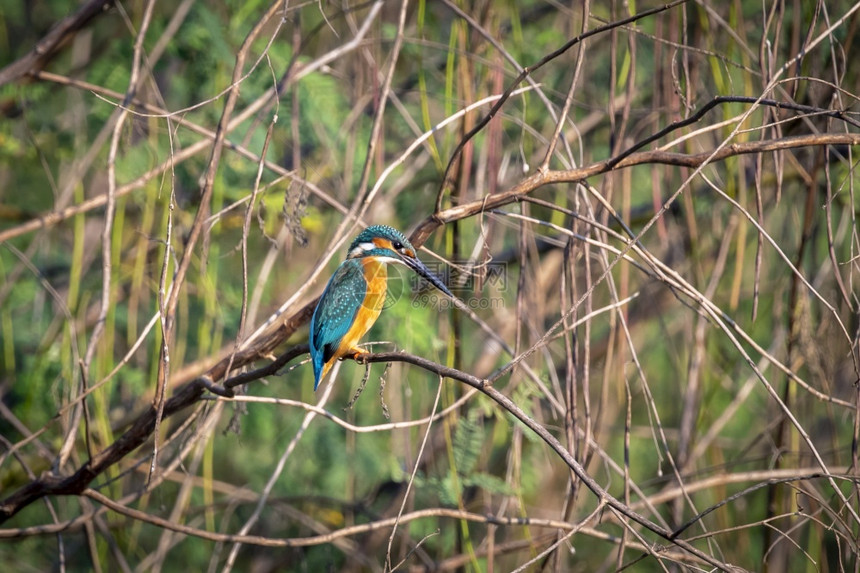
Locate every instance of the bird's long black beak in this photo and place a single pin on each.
(422, 270)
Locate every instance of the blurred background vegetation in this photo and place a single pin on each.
(653, 395)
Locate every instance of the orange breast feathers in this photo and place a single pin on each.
(376, 275)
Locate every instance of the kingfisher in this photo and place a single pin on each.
(355, 294)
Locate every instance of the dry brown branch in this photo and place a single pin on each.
(664, 374)
(190, 393)
(48, 46)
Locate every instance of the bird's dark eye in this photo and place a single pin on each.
(397, 245)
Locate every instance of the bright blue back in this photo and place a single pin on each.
(335, 313)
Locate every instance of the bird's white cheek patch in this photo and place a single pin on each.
(361, 249)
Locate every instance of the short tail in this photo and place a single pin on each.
(320, 370)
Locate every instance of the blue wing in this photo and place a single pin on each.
(335, 313)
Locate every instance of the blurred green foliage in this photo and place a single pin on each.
(54, 153)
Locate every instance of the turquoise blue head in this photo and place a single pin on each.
(391, 246)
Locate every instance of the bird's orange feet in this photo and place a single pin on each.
(358, 354)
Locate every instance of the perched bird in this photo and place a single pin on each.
(353, 297)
